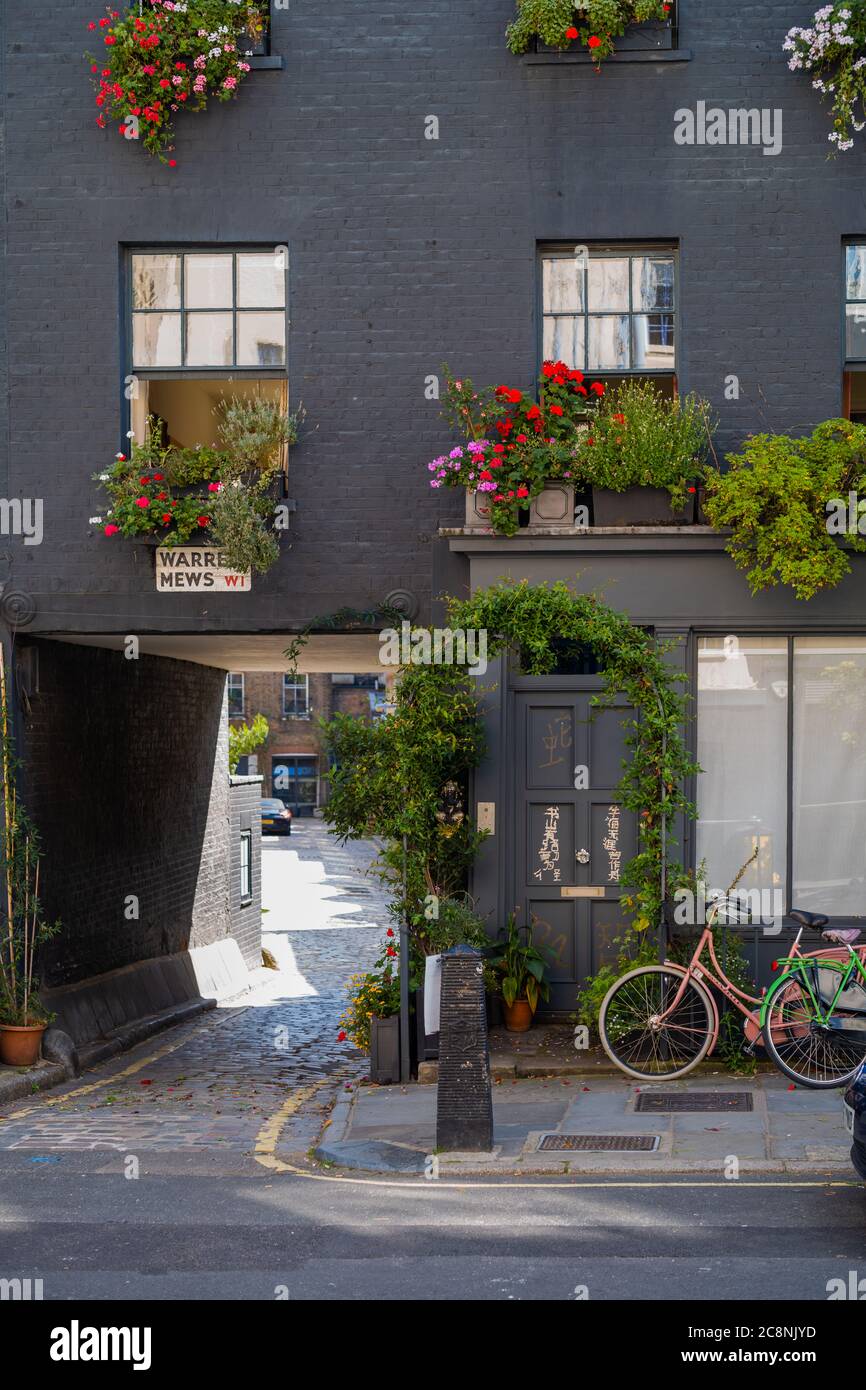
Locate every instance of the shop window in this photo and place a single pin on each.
(811, 841)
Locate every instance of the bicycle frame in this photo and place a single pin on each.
(847, 969)
(739, 998)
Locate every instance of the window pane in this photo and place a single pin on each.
(563, 286)
(261, 340)
(855, 331)
(608, 342)
(742, 748)
(261, 281)
(156, 340)
(208, 282)
(829, 819)
(652, 283)
(565, 340)
(855, 272)
(653, 342)
(608, 284)
(156, 282)
(209, 340)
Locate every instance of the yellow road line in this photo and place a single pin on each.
(269, 1135)
(106, 1080)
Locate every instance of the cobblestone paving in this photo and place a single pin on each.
(212, 1084)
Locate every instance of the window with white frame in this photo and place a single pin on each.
(782, 745)
(610, 310)
(296, 697)
(246, 866)
(236, 695)
(204, 324)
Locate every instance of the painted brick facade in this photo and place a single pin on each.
(404, 252)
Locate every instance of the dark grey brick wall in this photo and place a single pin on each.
(127, 779)
(245, 796)
(404, 252)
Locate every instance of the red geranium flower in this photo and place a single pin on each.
(204, 521)
(110, 529)
(594, 42)
(571, 33)
(341, 1036)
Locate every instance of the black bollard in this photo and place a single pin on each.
(464, 1106)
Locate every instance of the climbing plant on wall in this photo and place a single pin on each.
(391, 778)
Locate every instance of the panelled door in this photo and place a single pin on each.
(571, 835)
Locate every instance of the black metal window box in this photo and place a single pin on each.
(653, 42)
(260, 54)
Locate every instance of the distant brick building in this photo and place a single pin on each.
(294, 760)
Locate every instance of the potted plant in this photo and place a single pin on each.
(23, 927)
(593, 24)
(642, 455)
(787, 503)
(371, 1019)
(224, 495)
(522, 970)
(521, 452)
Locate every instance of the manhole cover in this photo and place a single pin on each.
(684, 1102)
(601, 1143)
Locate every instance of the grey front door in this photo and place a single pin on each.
(571, 834)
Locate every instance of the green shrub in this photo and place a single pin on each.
(639, 438)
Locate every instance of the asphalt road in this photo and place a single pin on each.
(93, 1234)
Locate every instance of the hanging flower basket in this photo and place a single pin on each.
(166, 56)
(593, 25)
(833, 49)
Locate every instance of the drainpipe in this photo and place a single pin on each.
(405, 1059)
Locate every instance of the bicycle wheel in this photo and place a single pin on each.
(642, 1042)
(810, 1049)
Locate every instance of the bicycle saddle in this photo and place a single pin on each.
(842, 936)
(809, 919)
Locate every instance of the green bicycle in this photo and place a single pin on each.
(813, 1019)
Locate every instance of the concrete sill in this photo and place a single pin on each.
(261, 61)
(633, 55)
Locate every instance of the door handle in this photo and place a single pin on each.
(582, 856)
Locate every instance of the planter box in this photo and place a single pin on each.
(385, 1050)
(655, 34)
(638, 506)
(553, 508)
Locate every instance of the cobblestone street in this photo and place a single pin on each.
(212, 1084)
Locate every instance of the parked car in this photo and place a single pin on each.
(855, 1120)
(276, 817)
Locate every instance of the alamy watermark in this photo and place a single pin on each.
(22, 516)
(737, 126)
(438, 646)
(765, 906)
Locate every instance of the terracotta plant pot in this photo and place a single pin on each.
(20, 1047)
(518, 1016)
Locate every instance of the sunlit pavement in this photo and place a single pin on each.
(145, 1179)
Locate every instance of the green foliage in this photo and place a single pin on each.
(23, 926)
(390, 777)
(520, 967)
(775, 498)
(245, 739)
(173, 492)
(253, 431)
(559, 22)
(639, 438)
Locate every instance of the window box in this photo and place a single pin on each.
(638, 506)
(553, 509)
(652, 42)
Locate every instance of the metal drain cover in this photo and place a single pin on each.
(685, 1102)
(600, 1143)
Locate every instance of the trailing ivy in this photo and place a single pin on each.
(786, 501)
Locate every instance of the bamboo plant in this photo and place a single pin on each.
(23, 927)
